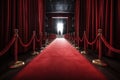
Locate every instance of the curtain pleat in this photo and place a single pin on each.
(24, 15)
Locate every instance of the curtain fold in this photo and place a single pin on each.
(77, 20)
(40, 19)
(116, 25)
(102, 14)
(25, 15)
(40, 15)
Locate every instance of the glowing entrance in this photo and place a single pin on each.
(60, 28)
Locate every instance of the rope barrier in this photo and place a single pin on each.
(93, 42)
(16, 63)
(81, 39)
(38, 40)
(7, 47)
(26, 44)
(16, 45)
(34, 38)
(108, 45)
(99, 61)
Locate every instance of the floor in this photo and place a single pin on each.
(112, 70)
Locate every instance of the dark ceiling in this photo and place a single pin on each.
(60, 6)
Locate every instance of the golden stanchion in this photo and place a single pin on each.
(42, 49)
(17, 63)
(99, 61)
(84, 51)
(46, 42)
(77, 47)
(73, 44)
(34, 52)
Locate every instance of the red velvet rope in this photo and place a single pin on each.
(26, 44)
(93, 42)
(38, 40)
(80, 39)
(108, 45)
(8, 46)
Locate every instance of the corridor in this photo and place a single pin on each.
(59, 61)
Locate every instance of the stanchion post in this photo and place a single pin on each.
(34, 34)
(34, 52)
(16, 45)
(84, 51)
(77, 41)
(42, 46)
(99, 60)
(99, 44)
(16, 63)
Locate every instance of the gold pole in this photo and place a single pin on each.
(34, 52)
(99, 61)
(77, 47)
(84, 51)
(16, 63)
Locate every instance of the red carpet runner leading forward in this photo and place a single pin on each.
(60, 61)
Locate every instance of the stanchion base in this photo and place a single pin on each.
(99, 62)
(77, 48)
(73, 44)
(42, 48)
(17, 64)
(46, 44)
(35, 53)
(83, 52)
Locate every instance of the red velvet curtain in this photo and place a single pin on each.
(95, 14)
(77, 16)
(116, 26)
(25, 15)
(40, 18)
(41, 12)
(7, 21)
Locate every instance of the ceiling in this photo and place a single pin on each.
(60, 6)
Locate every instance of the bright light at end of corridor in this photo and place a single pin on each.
(60, 28)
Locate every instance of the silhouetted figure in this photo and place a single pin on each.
(59, 33)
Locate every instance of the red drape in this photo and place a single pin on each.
(40, 15)
(95, 14)
(77, 13)
(25, 15)
(116, 25)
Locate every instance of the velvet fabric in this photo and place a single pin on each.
(24, 15)
(103, 14)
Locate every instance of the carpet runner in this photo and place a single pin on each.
(59, 61)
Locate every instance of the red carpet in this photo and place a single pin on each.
(60, 61)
